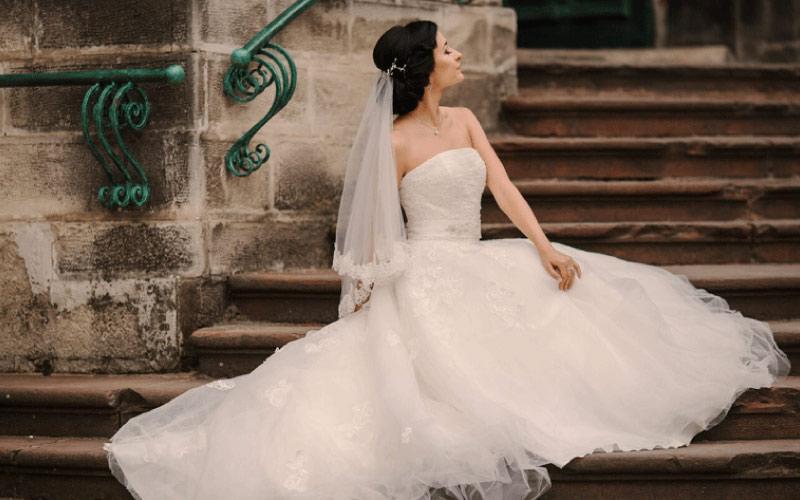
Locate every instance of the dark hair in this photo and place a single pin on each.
(413, 46)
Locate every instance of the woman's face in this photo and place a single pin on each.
(447, 65)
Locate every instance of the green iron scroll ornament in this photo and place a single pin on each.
(113, 103)
(115, 108)
(244, 84)
(254, 67)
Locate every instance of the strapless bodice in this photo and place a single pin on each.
(442, 196)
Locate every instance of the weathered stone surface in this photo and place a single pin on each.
(309, 176)
(117, 249)
(62, 177)
(232, 23)
(339, 98)
(201, 302)
(270, 243)
(370, 21)
(503, 38)
(50, 324)
(323, 28)
(16, 25)
(467, 31)
(91, 23)
(227, 192)
(44, 109)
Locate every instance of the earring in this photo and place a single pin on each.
(430, 86)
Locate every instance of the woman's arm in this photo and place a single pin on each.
(511, 202)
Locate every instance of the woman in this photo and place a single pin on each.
(456, 363)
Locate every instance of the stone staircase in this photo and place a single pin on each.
(693, 168)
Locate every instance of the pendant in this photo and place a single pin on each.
(436, 131)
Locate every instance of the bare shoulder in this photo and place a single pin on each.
(463, 114)
(399, 144)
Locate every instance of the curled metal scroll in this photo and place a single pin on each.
(115, 107)
(268, 66)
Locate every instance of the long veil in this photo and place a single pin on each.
(370, 242)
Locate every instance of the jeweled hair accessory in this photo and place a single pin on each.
(394, 66)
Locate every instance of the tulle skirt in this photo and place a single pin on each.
(468, 372)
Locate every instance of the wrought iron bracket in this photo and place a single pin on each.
(113, 103)
(253, 68)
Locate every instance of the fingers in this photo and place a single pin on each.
(552, 272)
(568, 272)
(570, 276)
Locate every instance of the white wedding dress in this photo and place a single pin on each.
(469, 371)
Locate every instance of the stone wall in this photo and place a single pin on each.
(88, 289)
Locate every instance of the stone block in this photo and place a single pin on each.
(79, 326)
(125, 249)
(91, 23)
(228, 119)
(227, 192)
(371, 20)
(467, 30)
(503, 39)
(309, 176)
(16, 25)
(202, 302)
(43, 109)
(270, 243)
(340, 95)
(323, 27)
(40, 179)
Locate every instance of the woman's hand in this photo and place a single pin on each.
(561, 267)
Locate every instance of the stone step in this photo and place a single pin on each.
(57, 468)
(648, 157)
(233, 349)
(766, 413)
(787, 335)
(701, 471)
(76, 405)
(80, 405)
(617, 117)
(764, 291)
(310, 297)
(673, 199)
(76, 469)
(228, 350)
(553, 74)
(668, 242)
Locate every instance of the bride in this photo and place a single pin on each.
(456, 364)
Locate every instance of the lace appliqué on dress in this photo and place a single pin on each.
(222, 384)
(362, 416)
(498, 254)
(382, 268)
(298, 479)
(405, 435)
(326, 340)
(278, 393)
(503, 303)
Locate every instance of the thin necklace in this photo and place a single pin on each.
(435, 129)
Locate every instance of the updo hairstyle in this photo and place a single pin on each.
(413, 46)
